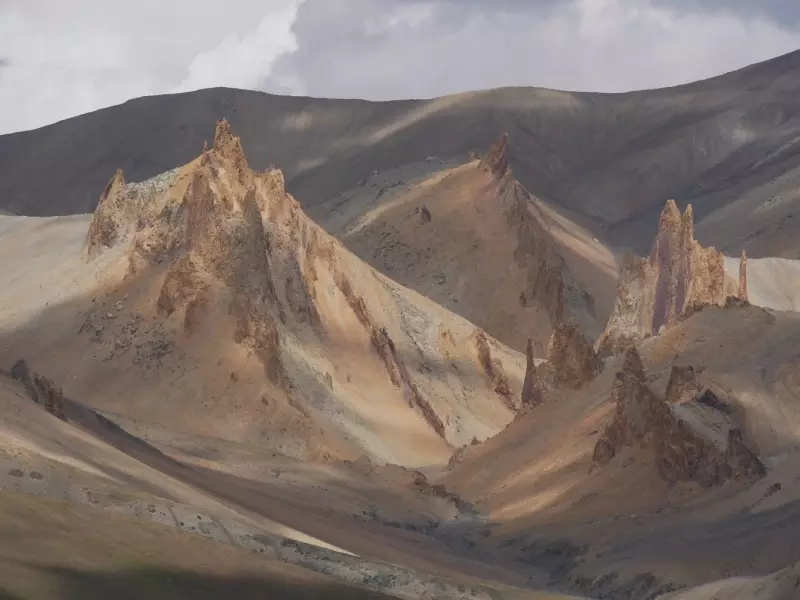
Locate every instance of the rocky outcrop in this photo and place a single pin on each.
(493, 368)
(682, 384)
(742, 295)
(532, 394)
(497, 160)
(571, 363)
(653, 293)
(572, 356)
(681, 453)
(385, 348)
(548, 282)
(104, 229)
(40, 389)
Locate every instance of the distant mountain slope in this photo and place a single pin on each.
(616, 157)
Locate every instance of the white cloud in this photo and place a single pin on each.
(65, 58)
(243, 62)
(597, 45)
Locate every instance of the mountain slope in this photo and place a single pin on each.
(618, 489)
(725, 144)
(474, 240)
(224, 311)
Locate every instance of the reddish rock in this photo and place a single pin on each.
(679, 276)
(742, 295)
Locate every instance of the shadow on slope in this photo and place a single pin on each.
(164, 584)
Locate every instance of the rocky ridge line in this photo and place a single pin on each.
(549, 282)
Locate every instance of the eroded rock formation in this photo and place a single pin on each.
(497, 159)
(682, 384)
(742, 295)
(548, 283)
(40, 389)
(653, 293)
(493, 368)
(233, 250)
(681, 453)
(571, 363)
(572, 356)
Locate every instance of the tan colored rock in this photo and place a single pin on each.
(682, 384)
(571, 363)
(572, 356)
(654, 293)
(742, 295)
(497, 159)
(493, 368)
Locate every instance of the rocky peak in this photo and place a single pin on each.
(632, 364)
(229, 146)
(682, 382)
(679, 275)
(742, 292)
(496, 160)
(572, 356)
(104, 230)
(571, 363)
(531, 393)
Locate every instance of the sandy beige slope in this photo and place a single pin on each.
(474, 240)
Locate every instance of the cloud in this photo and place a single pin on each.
(785, 13)
(65, 58)
(382, 49)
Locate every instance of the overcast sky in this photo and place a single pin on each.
(60, 58)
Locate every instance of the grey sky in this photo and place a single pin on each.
(61, 58)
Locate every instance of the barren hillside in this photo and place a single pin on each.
(223, 311)
(439, 372)
(726, 145)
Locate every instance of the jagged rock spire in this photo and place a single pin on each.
(528, 398)
(229, 146)
(742, 295)
(678, 276)
(632, 363)
(496, 160)
(104, 228)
